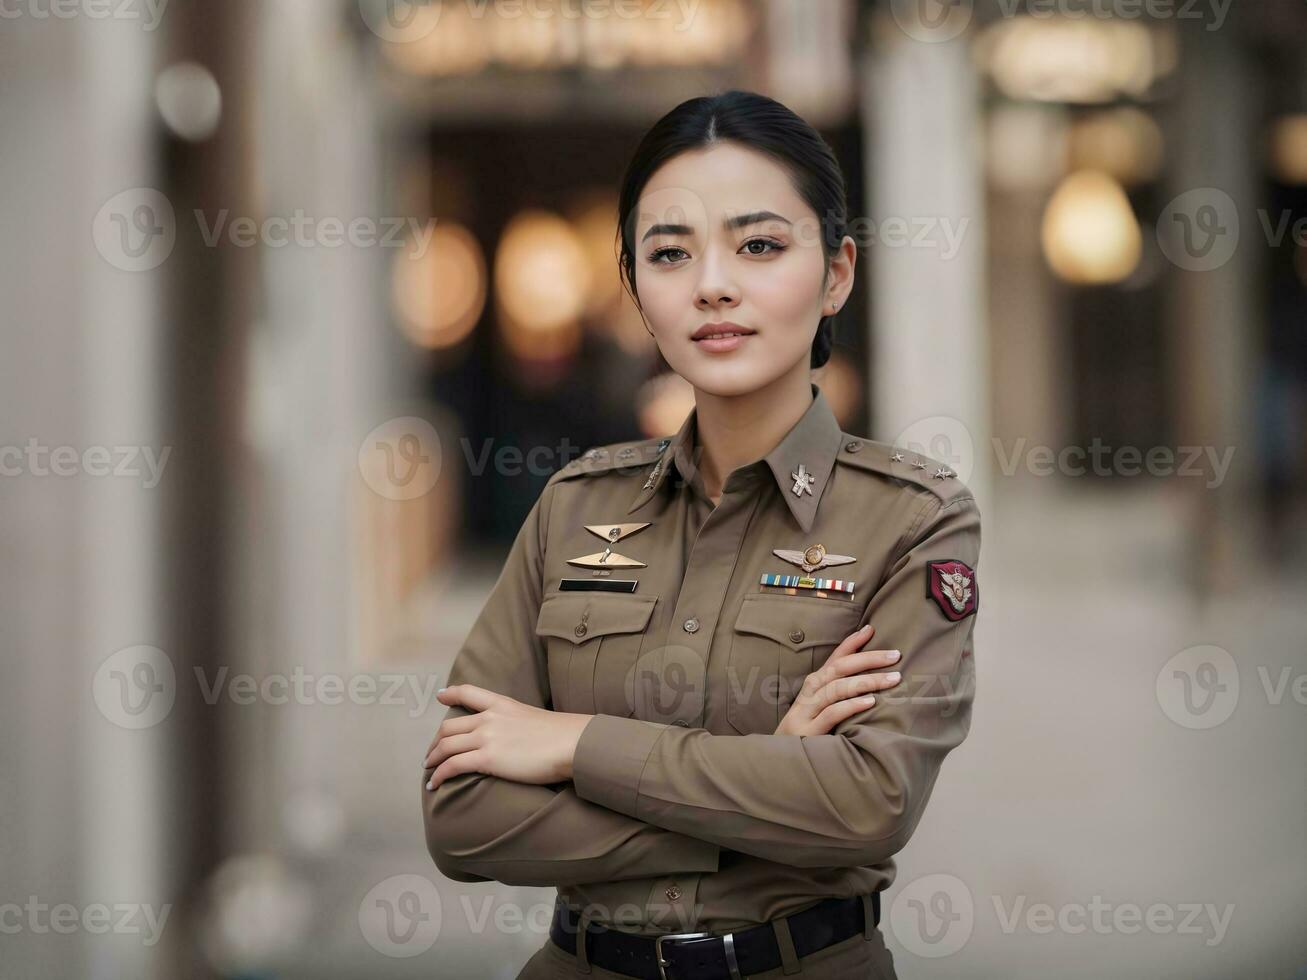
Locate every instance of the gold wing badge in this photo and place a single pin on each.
(813, 558)
(810, 560)
(612, 533)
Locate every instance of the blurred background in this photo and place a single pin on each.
(304, 301)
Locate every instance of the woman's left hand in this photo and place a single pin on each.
(504, 738)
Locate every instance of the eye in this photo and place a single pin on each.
(656, 256)
(775, 245)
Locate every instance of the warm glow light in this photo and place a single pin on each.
(1070, 60)
(1089, 233)
(1289, 149)
(542, 280)
(439, 294)
(1125, 143)
(448, 38)
(662, 404)
(1026, 148)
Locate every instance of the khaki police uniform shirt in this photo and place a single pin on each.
(685, 812)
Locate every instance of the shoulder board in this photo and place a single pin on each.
(902, 465)
(621, 457)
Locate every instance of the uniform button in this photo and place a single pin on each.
(853, 445)
(691, 625)
(796, 636)
(581, 629)
(673, 893)
(686, 724)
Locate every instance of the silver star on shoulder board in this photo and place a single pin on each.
(918, 464)
(803, 480)
(941, 473)
(897, 457)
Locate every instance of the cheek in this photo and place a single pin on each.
(785, 292)
(667, 301)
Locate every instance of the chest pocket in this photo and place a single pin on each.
(777, 641)
(593, 640)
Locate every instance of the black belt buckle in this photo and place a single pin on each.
(728, 943)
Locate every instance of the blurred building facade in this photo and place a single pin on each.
(340, 280)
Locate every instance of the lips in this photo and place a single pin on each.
(721, 330)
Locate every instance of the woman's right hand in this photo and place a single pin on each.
(841, 687)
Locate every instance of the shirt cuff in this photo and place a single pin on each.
(610, 757)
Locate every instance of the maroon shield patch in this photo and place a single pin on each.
(952, 584)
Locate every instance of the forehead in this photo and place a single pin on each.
(716, 181)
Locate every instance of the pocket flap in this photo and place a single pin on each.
(582, 616)
(798, 621)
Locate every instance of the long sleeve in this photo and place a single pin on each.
(481, 827)
(846, 799)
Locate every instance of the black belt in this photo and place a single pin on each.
(705, 956)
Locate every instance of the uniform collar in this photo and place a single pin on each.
(813, 443)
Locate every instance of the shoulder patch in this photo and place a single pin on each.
(619, 457)
(903, 465)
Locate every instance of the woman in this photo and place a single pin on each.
(679, 727)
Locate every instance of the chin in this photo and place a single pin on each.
(726, 379)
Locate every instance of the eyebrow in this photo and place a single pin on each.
(730, 224)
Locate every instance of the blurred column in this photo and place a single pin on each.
(929, 353)
(1217, 321)
(85, 793)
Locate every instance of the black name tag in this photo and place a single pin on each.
(597, 585)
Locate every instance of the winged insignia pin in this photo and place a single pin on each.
(813, 558)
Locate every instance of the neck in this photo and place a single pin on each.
(735, 430)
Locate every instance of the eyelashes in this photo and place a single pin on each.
(656, 257)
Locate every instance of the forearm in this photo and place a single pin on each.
(481, 827)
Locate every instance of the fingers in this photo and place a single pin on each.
(453, 726)
(455, 766)
(467, 695)
(833, 714)
(859, 661)
(854, 640)
(451, 745)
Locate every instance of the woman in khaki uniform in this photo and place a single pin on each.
(667, 708)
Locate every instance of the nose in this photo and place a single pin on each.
(716, 287)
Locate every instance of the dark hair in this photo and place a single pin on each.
(761, 124)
